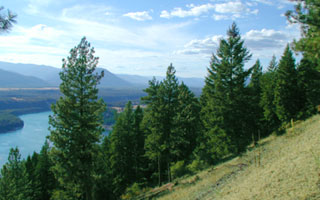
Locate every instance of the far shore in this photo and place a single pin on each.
(14, 89)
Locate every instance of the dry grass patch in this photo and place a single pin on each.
(289, 169)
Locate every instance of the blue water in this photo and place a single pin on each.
(28, 139)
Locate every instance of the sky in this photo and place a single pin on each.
(143, 37)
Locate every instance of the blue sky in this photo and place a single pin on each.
(144, 36)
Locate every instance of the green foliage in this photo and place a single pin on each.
(256, 110)
(9, 122)
(76, 125)
(306, 14)
(268, 83)
(286, 97)
(225, 98)
(133, 191)
(178, 169)
(127, 149)
(6, 20)
(196, 165)
(44, 174)
(13, 182)
(309, 90)
(109, 116)
(171, 122)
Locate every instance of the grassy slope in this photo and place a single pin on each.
(289, 169)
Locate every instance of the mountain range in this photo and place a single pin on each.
(17, 75)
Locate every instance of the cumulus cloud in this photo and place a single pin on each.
(192, 11)
(228, 10)
(139, 16)
(266, 39)
(204, 46)
(258, 42)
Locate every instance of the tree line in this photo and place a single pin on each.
(176, 133)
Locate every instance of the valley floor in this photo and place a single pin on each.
(280, 167)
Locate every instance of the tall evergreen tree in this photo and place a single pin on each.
(225, 97)
(162, 101)
(171, 120)
(76, 125)
(309, 90)
(256, 110)
(45, 177)
(13, 182)
(306, 14)
(125, 149)
(187, 124)
(268, 83)
(286, 97)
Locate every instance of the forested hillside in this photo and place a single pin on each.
(175, 133)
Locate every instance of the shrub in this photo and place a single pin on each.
(178, 169)
(196, 165)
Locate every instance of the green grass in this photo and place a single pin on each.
(289, 169)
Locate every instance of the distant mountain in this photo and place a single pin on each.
(143, 80)
(110, 80)
(46, 73)
(15, 80)
(50, 75)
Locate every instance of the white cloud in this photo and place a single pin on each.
(228, 10)
(280, 4)
(115, 44)
(205, 46)
(230, 7)
(193, 11)
(236, 8)
(35, 6)
(220, 17)
(266, 39)
(262, 43)
(165, 14)
(140, 16)
(267, 2)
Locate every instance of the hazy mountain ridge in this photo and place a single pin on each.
(142, 81)
(47, 76)
(14, 80)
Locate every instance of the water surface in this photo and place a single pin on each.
(28, 139)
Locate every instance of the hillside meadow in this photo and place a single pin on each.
(279, 167)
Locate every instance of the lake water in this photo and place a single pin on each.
(28, 139)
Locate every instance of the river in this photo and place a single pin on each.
(28, 139)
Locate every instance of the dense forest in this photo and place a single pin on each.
(176, 133)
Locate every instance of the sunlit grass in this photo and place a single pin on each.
(289, 169)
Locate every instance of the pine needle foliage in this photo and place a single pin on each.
(76, 124)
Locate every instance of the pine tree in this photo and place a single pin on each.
(33, 186)
(256, 110)
(76, 125)
(187, 124)
(225, 97)
(309, 90)
(14, 183)
(286, 97)
(138, 151)
(306, 14)
(268, 83)
(45, 177)
(162, 101)
(6, 20)
(122, 141)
